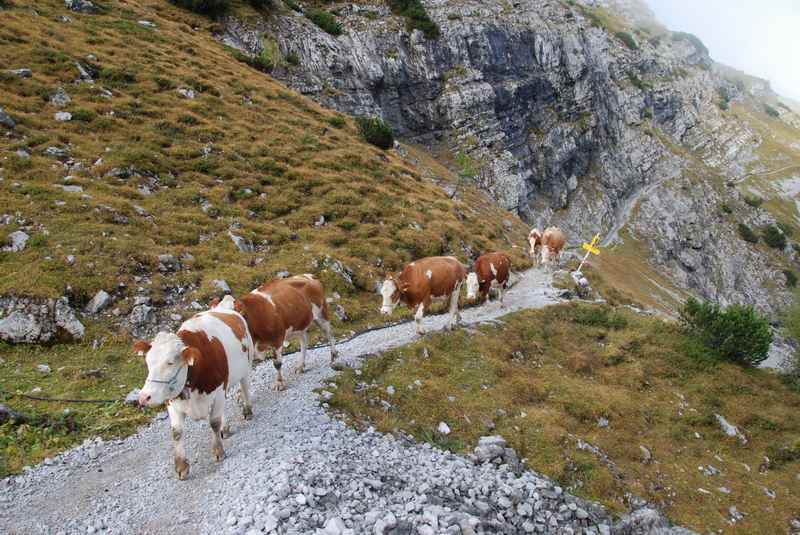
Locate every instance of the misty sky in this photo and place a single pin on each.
(760, 37)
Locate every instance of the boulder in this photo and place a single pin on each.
(63, 116)
(16, 241)
(243, 244)
(100, 301)
(21, 73)
(6, 120)
(27, 320)
(60, 98)
(80, 6)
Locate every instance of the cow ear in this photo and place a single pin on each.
(190, 355)
(238, 306)
(140, 347)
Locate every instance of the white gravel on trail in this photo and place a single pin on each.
(294, 469)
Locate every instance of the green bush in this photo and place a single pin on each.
(325, 20)
(416, 17)
(772, 112)
(603, 317)
(747, 233)
(693, 39)
(207, 7)
(83, 115)
(293, 5)
(752, 200)
(725, 208)
(628, 39)
(791, 278)
(737, 333)
(375, 131)
(774, 237)
(337, 121)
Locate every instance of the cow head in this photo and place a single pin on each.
(227, 303)
(472, 285)
(390, 291)
(168, 361)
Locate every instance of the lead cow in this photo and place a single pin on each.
(535, 241)
(491, 272)
(553, 241)
(420, 282)
(192, 369)
(283, 309)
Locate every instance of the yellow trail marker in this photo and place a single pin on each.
(590, 248)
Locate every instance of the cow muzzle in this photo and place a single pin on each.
(145, 399)
(386, 310)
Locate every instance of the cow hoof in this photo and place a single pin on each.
(247, 413)
(219, 453)
(181, 468)
(300, 370)
(280, 386)
(334, 355)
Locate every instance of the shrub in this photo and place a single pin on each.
(337, 121)
(725, 208)
(602, 317)
(207, 7)
(375, 131)
(791, 278)
(628, 39)
(293, 58)
(83, 115)
(416, 17)
(325, 20)
(747, 233)
(293, 5)
(772, 112)
(774, 237)
(737, 333)
(752, 200)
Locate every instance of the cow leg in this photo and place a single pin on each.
(215, 421)
(247, 407)
(280, 384)
(545, 255)
(301, 368)
(321, 317)
(500, 289)
(176, 420)
(455, 316)
(418, 318)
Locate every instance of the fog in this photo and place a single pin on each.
(761, 38)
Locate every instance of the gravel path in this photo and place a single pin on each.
(293, 469)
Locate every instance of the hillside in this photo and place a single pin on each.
(174, 150)
(586, 113)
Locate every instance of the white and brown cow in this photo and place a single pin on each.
(553, 241)
(283, 309)
(191, 370)
(535, 241)
(420, 282)
(491, 272)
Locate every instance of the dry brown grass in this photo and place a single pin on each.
(546, 377)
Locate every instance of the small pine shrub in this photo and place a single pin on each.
(753, 201)
(747, 233)
(774, 237)
(628, 39)
(786, 229)
(83, 115)
(737, 333)
(206, 7)
(772, 112)
(416, 17)
(294, 6)
(293, 58)
(791, 278)
(376, 132)
(337, 121)
(325, 20)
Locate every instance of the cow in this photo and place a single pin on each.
(535, 240)
(283, 309)
(192, 369)
(553, 241)
(491, 271)
(421, 281)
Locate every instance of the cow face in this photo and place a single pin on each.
(472, 286)
(168, 361)
(391, 295)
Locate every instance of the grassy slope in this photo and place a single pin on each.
(546, 377)
(277, 162)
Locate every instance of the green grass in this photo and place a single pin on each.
(544, 378)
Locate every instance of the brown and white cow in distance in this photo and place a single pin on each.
(491, 271)
(535, 241)
(553, 241)
(191, 370)
(420, 282)
(283, 309)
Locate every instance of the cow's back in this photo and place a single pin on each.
(307, 284)
(493, 266)
(225, 345)
(434, 276)
(292, 304)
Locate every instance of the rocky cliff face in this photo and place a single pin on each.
(569, 121)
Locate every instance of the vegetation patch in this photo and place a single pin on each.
(325, 20)
(747, 234)
(696, 42)
(774, 237)
(545, 381)
(737, 333)
(628, 39)
(376, 132)
(416, 16)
